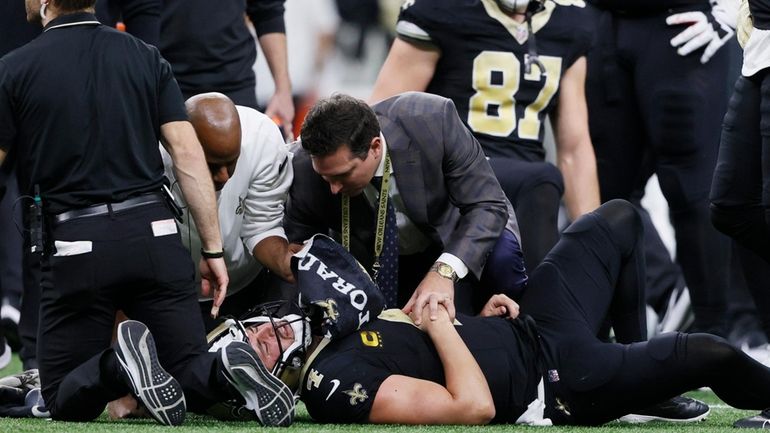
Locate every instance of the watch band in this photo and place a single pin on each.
(451, 275)
(212, 254)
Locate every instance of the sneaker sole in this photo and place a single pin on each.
(270, 399)
(641, 419)
(160, 393)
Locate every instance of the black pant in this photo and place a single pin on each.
(644, 99)
(740, 194)
(534, 190)
(30, 309)
(596, 269)
(151, 279)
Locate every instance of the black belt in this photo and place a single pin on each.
(106, 208)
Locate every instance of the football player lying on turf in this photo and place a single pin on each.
(539, 367)
(502, 369)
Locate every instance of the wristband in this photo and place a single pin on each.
(212, 254)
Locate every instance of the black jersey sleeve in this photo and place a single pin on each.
(573, 26)
(417, 22)
(266, 15)
(340, 388)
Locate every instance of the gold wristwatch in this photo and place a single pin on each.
(445, 271)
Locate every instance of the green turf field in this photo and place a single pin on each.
(719, 420)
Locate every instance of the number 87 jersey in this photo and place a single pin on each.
(482, 65)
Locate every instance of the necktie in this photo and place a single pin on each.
(386, 277)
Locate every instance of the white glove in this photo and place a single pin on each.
(711, 30)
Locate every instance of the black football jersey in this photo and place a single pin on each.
(482, 70)
(340, 382)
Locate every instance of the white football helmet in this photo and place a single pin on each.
(520, 6)
(289, 364)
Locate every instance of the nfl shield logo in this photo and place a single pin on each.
(553, 376)
(521, 34)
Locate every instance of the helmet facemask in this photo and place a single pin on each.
(289, 364)
(292, 357)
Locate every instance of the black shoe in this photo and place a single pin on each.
(270, 399)
(761, 420)
(677, 409)
(158, 391)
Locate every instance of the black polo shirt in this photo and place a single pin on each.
(210, 47)
(83, 104)
(141, 17)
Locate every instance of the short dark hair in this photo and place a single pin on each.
(337, 121)
(74, 5)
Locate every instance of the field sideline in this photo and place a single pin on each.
(720, 420)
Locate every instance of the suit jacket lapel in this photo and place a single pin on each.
(408, 171)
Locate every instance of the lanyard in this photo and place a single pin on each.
(382, 213)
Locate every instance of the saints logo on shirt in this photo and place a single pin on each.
(357, 394)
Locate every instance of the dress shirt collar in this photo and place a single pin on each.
(381, 168)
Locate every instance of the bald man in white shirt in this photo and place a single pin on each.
(251, 169)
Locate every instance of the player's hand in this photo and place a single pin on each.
(427, 323)
(432, 291)
(500, 305)
(294, 248)
(704, 29)
(214, 282)
(281, 110)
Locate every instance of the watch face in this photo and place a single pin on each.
(446, 271)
